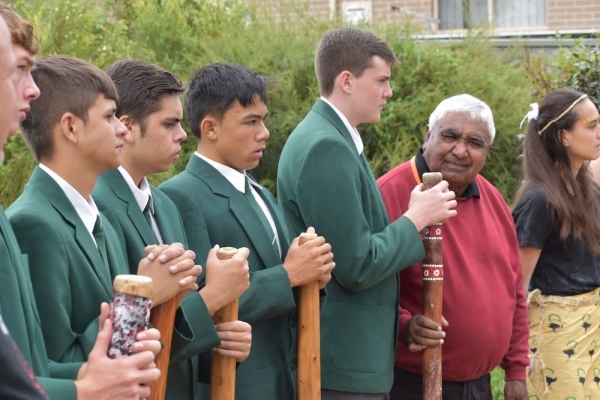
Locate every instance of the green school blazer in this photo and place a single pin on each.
(116, 201)
(18, 309)
(68, 275)
(215, 212)
(323, 182)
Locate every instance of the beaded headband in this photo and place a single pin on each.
(562, 114)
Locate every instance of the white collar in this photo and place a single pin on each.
(141, 193)
(353, 131)
(235, 177)
(86, 209)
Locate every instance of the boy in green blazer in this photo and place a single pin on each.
(325, 181)
(73, 251)
(101, 378)
(219, 203)
(150, 109)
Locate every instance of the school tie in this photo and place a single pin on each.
(147, 211)
(261, 215)
(98, 233)
(100, 240)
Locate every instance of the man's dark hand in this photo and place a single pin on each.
(422, 332)
(515, 390)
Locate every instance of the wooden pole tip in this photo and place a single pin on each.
(225, 253)
(431, 179)
(136, 285)
(305, 237)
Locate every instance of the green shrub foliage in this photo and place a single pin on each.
(183, 35)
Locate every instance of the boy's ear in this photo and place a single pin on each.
(133, 128)
(345, 79)
(126, 120)
(209, 127)
(70, 127)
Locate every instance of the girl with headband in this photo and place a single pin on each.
(557, 217)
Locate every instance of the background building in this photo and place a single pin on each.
(452, 16)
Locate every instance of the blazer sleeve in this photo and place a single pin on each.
(59, 389)
(270, 294)
(339, 213)
(49, 268)
(204, 334)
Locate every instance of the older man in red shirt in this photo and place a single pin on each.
(484, 304)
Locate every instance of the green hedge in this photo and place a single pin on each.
(183, 35)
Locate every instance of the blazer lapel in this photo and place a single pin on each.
(119, 186)
(282, 232)
(329, 113)
(61, 203)
(239, 207)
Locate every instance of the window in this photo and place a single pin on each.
(355, 12)
(465, 14)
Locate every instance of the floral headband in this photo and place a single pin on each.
(534, 112)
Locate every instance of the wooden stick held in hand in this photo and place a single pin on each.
(129, 310)
(309, 337)
(433, 279)
(222, 369)
(162, 317)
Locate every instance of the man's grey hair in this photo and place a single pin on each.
(467, 104)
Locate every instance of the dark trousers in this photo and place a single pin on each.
(409, 386)
(335, 395)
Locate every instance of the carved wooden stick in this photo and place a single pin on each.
(222, 369)
(162, 317)
(309, 337)
(433, 279)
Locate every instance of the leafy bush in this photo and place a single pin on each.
(582, 65)
(190, 34)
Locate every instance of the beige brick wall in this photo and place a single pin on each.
(314, 8)
(573, 14)
(560, 14)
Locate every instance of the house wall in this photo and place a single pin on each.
(560, 14)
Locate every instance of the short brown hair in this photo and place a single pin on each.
(21, 31)
(67, 84)
(348, 49)
(142, 86)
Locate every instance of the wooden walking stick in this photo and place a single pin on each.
(162, 317)
(222, 369)
(433, 279)
(309, 337)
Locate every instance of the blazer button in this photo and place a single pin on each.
(293, 366)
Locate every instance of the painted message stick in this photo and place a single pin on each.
(129, 312)
(433, 280)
